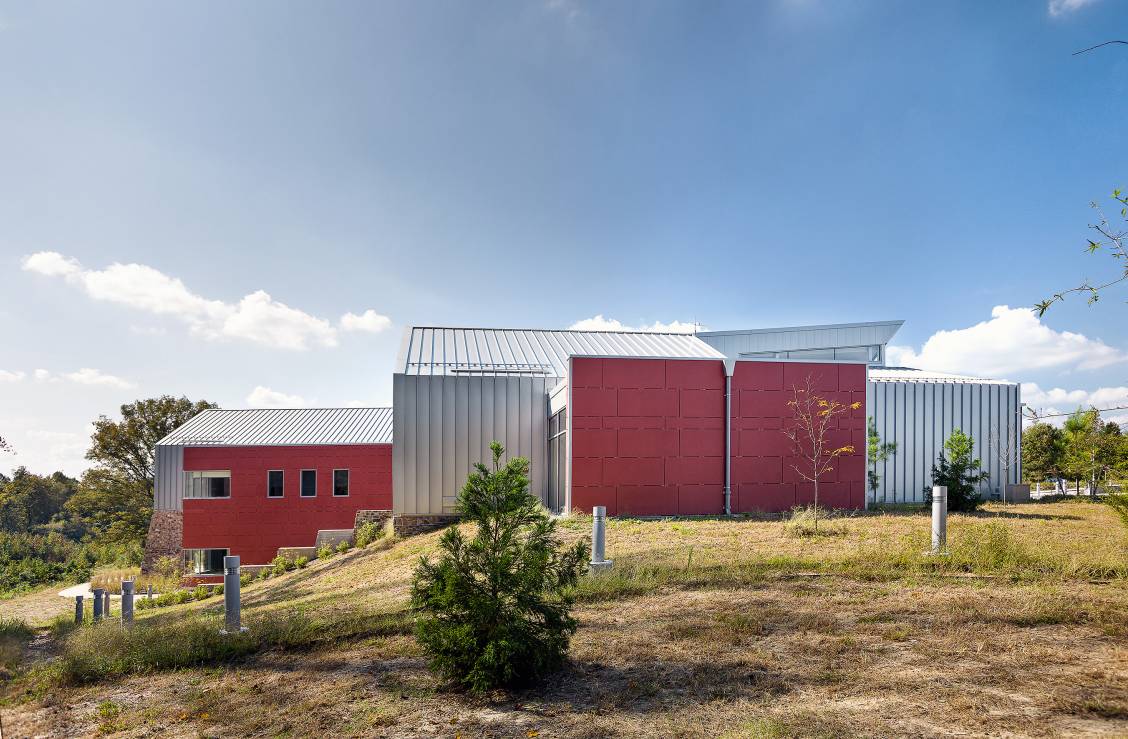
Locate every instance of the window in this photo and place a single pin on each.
(207, 484)
(558, 460)
(309, 483)
(340, 482)
(204, 561)
(274, 479)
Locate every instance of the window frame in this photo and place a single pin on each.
(226, 551)
(190, 475)
(348, 482)
(282, 487)
(301, 483)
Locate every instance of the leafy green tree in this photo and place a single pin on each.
(876, 453)
(29, 501)
(1042, 452)
(959, 471)
(495, 610)
(111, 507)
(126, 446)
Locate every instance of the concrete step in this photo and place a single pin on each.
(333, 537)
(295, 552)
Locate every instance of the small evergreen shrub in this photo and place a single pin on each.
(495, 609)
(343, 547)
(301, 562)
(217, 590)
(200, 592)
(264, 573)
(958, 471)
(182, 596)
(246, 578)
(325, 551)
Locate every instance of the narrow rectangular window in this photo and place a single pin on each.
(274, 480)
(309, 483)
(340, 482)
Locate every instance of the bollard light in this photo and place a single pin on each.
(939, 518)
(126, 602)
(232, 615)
(106, 603)
(98, 593)
(599, 561)
(78, 609)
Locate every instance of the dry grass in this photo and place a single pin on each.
(765, 653)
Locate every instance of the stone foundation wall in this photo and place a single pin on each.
(165, 538)
(377, 517)
(411, 524)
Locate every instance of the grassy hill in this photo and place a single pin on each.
(705, 627)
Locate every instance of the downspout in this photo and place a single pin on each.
(730, 365)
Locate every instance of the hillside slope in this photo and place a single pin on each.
(706, 627)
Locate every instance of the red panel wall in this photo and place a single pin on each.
(253, 526)
(763, 468)
(648, 436)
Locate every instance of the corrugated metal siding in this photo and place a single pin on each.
(285, 427)
(168, 477)
(919, 415)
(735, 343)
(536, 353)
(444, 424)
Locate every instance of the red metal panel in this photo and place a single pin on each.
(253, 526)
(668, 455)
(764, 477)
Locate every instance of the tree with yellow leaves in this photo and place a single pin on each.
(808, 431)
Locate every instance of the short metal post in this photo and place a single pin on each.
(150, 590)
(599, 539)
(231, 609)
(939, 518)
(126, 602)
(106, 603)
(98, 592)
(78, 609)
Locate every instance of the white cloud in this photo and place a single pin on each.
(369, 321)
(264, 397)
(6, 376)
(1058, 400)
(1063, 7)
(52, 264)
(599, 323)
(1013, 341)
(147, 330)
(84, 376)
(90, 376)
(257, 318)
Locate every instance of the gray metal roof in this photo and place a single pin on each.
(910, 374)
(795, 338)
(535, 352)
(285, 426)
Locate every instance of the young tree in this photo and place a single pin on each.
(1005, 451)
(876, 453)
(809, 432)
(495, 610)
(1083, 459)
(958, 471)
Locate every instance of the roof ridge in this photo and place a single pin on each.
(555, 330)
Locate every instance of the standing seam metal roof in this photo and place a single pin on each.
(910, 374)
(284, 426)
(537, 352)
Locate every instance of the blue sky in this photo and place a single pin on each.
(538, 164)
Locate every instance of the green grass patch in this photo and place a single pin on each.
(103, 651)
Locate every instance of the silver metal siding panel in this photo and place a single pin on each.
(168, 477)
